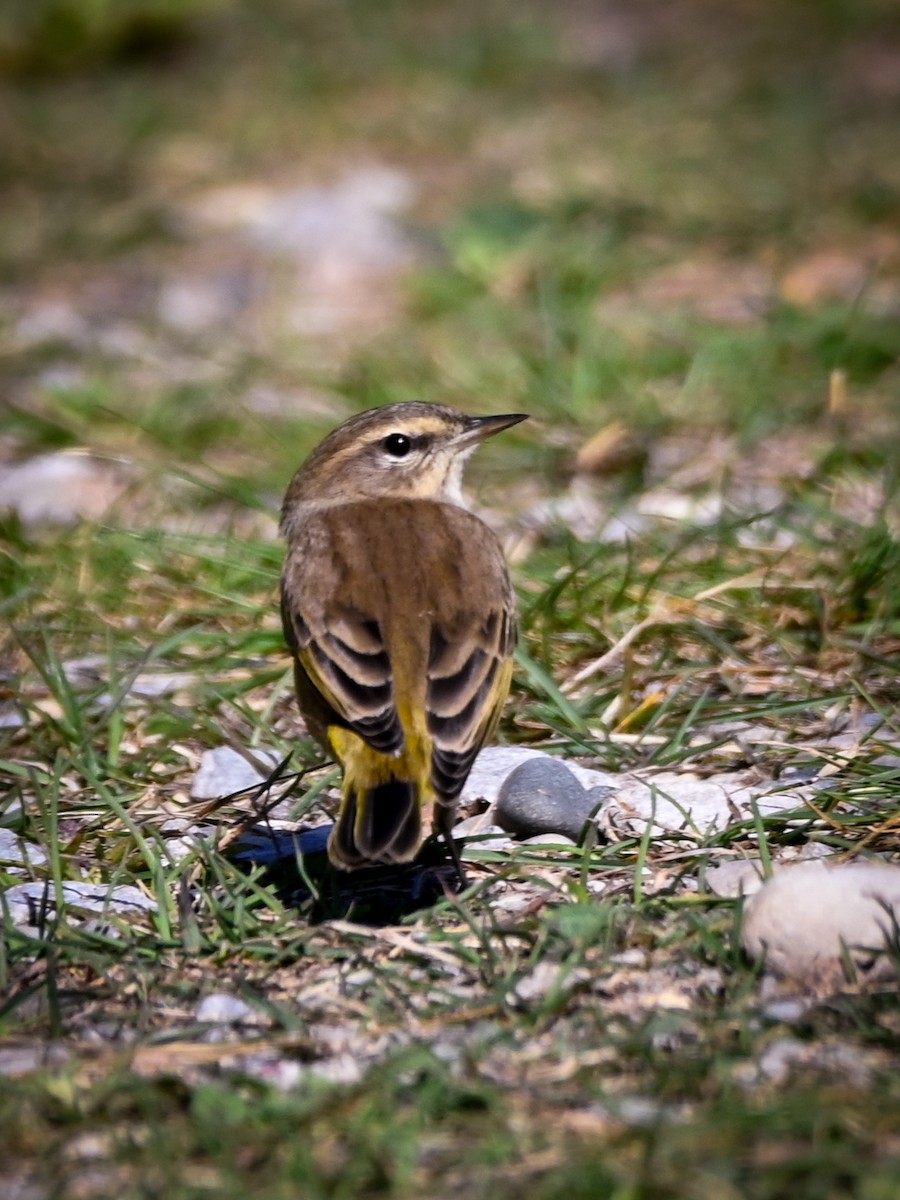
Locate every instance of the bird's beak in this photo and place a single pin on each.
(477, 429)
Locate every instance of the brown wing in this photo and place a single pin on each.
(469, 670)
(343, 673)
(392, 606)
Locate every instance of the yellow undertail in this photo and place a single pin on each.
(386, 812)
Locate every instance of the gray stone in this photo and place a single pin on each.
(11, 717)
(32, 1056)
(31, 904)
(496, 763)
(16, 853)
(223, 771)
(543, 796)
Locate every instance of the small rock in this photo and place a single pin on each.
(50, 321)
(492, 840)
(789, 1010)
(479, 834)
(779, 1058)
(789, 1055)
(670, 505)
(148, 685)
(543, 796)
(826, 275)
(11, 716)
(495, 763)
(340, 1068)
(644, 1112)
(490, 769)
(545, 979)
(804, 919)
(735, 877)
(634, 957)
(21, 1060)
(549, 839)
(87, 671)
(221, 1008)
(179, 848)
(513, 902)
(61, 488)
(675, 801)
(16, 853)
(353, 216)
(31, 905)
(196, 303)
(576, 510)
(470, 826)
(275, 1071)
(360, 978)
(223, 771)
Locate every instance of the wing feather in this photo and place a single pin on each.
(346, 662)
(468, 678)
(357, 666)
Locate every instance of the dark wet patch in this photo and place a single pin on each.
(296, 865)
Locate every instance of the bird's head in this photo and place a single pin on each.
(410, 451)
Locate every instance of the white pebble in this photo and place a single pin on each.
(804, 919)
(223, 771)
(221, 1008)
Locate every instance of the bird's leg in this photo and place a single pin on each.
(443, 819)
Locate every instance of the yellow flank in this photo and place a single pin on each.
(365, 768)
(497, 699)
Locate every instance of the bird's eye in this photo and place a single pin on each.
(397, 445)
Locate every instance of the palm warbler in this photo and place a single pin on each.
(400, 616)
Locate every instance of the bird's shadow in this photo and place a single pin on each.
(297, 866)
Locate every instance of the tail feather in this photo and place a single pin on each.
(381, 824)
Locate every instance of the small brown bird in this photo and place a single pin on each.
(398, 610)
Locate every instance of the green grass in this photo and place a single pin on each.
(605, 1038)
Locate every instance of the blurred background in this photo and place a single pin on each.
(671, 232)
